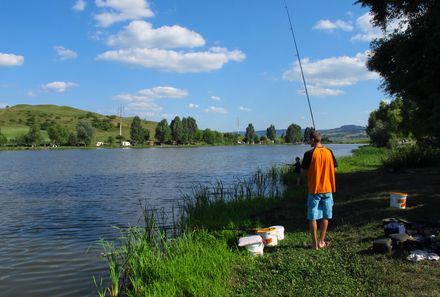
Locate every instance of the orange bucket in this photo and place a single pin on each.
(398, 200)
(269, 236)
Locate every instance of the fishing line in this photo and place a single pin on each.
(300, 65)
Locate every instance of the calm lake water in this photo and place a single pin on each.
(56, 205)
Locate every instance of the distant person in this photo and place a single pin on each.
(297, 170)
(320, 165)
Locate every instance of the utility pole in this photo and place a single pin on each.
(121, 108)
(238, 125)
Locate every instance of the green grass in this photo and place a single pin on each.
(292, 269)
(13, 132)
(195, 264)
(364, 158)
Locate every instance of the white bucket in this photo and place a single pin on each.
(279, 230)
(247, 240)
(256, 249)
(269, 236)
(398, 200)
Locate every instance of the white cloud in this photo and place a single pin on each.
(152, 94)
(97, 35)
(141, 34)
(121, 10)
(80, 5)
(169, 115)
(144, 105)
(173, 61)
(368, 32)
(3, 105)
(214, 109)
(10, 60)
(216, 98)
(192, 105)
(58, 86)
(246, 109)
(318, 91)
(144, 100)
(333, 71)
(31, 94)
(64, 53)
(331, 26)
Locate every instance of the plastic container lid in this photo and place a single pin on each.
(248, 240)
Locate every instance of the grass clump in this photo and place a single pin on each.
(412, 156)
(147, 264)
(363, 158)
(237, 207)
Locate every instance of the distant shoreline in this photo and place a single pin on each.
(47, 148)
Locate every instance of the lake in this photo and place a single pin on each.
(56, 204)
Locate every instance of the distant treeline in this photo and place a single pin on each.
(181, 131)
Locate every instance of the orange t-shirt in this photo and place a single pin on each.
(320, 164)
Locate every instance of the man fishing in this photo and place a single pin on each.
(320, 166)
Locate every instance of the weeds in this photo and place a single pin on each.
(218, 207)
(363, 159)
(412, 156)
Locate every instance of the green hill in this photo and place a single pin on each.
(346, 132)
(15, 120)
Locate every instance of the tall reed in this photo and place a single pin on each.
(217, 207)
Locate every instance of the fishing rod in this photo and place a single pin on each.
(300, 64)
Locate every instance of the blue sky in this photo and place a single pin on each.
(226, 63)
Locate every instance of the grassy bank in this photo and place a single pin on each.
(206, 255)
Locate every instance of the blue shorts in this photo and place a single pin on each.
(319, 206)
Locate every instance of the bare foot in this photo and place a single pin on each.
(314, 247)
(323, 245)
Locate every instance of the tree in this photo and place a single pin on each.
(72, 139)
(307, 133)
(386, 123)
(250, 134)
(191, 129)
(34, 137)
(209, 136)
(146, 135)
(185, 131)
(177, 130)
(408, 59)
(293, 134)
(231, 138)
(84, 132)
(57, 134)
(271, 133)
(110, 140)
(163, 132)
(138, 134)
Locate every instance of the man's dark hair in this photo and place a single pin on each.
(315, 135)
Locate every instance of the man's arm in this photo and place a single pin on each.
(307, 159)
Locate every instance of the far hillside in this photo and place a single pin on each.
(343, 133)
(15, 121)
